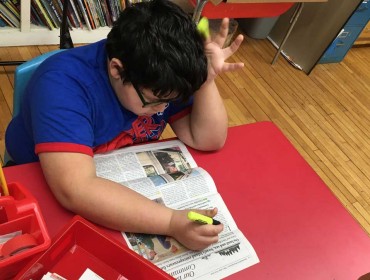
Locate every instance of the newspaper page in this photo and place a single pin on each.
(166, 173)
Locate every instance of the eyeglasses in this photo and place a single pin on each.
(154, 103)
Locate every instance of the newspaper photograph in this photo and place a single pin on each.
(166, 173)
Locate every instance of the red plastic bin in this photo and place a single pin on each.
(82, 245)
(243, 10)
(20, 212)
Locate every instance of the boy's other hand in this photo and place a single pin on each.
(217, 55)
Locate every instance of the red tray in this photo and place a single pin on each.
(20, 212)
(82, 245)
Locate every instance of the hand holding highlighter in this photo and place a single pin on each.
(202, 219)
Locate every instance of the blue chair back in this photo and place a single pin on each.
(23, 74)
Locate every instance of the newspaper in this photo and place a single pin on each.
(165, 172)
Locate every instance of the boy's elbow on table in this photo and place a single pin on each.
(211, 143)
(66, 197)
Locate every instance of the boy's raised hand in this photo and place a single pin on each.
(193, 235)
(218, 55)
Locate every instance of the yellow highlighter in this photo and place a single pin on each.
(202, 219)
(203, 28)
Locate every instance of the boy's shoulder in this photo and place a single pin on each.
(91, 56)
(85, 64)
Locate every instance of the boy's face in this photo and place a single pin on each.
(141, 102)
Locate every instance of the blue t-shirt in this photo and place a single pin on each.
(70, 106)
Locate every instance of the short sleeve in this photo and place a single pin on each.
(61, 113)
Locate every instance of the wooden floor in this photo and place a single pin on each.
(364, 38)
(326, 115)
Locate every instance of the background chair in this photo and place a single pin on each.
(22, 75)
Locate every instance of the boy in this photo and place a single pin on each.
(153, 68)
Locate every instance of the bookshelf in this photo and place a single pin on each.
(101, 13)
(30, 34)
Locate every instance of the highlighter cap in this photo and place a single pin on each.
(203, 28)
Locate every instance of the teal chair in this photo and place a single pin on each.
(22, 75)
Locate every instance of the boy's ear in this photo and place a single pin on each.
(115, 67)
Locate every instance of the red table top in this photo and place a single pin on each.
(244, 10)
(297, 227)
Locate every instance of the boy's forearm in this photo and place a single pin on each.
(209, 119)
(73, 181)
(118, 207)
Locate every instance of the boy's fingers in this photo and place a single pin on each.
(229, 51)
(209, 212)
(232, 66)
(208, 240)
(212, 230)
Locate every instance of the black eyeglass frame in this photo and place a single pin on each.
(154, 103)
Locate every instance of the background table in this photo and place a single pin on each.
(249, 9)
(297, 227)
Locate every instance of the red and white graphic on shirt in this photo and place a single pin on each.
(143, 129)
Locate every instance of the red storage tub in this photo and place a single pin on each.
(20, 217)
(81, 245)
(243, 10)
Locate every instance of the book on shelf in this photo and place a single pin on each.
(74, 14)
(99, 12)
(84, 13)
(13, 7)
(117, 6)
(39, 16)
(166, 173)
(89, 14)
(94, 13)
(71, 20)
(42, 14)
(5, 21)
(77, 13)
(50, 13)
(105, 11)
(8, 17)
(112, 10)
(35, 17)
(57, 7)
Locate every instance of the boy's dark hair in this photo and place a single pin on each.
(160, 49)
